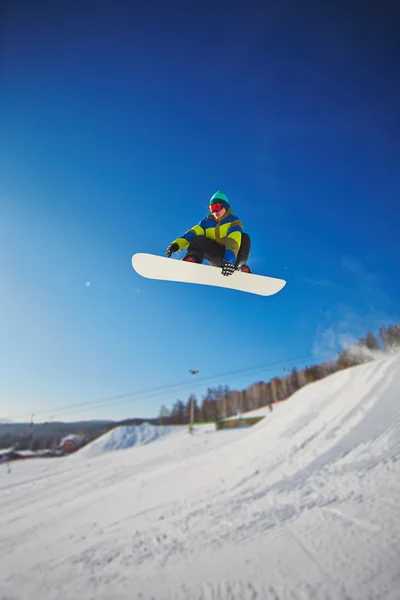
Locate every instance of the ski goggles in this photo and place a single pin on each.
(216, 207)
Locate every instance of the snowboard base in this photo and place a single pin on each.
(152, 266)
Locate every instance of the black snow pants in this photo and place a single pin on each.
(201, 248)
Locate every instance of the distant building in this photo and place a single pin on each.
(72, 442)
(9, 454)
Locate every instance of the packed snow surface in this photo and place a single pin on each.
(302, 506)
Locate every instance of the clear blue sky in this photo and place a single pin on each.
(117, 124)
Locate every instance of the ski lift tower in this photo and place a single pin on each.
(192, 372)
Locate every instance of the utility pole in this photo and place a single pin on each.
(192, 372)
(29, 433)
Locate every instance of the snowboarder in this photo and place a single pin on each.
(219, 238)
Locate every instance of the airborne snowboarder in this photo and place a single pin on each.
(219, 238)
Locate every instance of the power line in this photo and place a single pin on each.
(162, 391)
(136, 396)
(119, 399)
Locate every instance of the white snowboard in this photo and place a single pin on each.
(170, 269)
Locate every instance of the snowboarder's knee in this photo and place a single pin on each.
(197, 240)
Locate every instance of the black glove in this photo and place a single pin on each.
(172, 248)
(228, 268)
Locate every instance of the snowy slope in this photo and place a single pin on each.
(304, 505)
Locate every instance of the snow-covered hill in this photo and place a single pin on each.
(124, 437)
(304, 505)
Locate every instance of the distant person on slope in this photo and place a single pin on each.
(219, 238)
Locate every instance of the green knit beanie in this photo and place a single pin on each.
(220, 197)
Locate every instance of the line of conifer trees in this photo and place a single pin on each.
(222, 402)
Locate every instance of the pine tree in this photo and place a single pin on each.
(390, 337)
(164, 415)
(371, 342)
(294, 377)
(178, 413)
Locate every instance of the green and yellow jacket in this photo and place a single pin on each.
(228, 232)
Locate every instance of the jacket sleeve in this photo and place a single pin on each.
(233, 241)
(187, 237)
